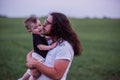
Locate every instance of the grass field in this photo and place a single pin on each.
(100, 39)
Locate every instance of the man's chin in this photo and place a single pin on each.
(47, 34)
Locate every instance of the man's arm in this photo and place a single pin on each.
(55, 72)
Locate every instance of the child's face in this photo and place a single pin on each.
(36, 28)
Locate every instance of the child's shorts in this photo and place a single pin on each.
(38, 57)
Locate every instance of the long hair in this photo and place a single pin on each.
(61, 28)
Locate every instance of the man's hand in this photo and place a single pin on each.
(35, 73)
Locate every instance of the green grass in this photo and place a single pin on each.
(100, 39)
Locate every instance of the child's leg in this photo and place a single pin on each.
(26, 75)
(32, 78)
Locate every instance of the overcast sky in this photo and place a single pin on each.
(72, 8)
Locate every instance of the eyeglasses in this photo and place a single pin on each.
(47, 23)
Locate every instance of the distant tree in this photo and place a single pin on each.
(105, 17)
(87, 17)
(3, 16)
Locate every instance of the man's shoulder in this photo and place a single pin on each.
(65, 43)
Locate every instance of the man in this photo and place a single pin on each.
(59, 59)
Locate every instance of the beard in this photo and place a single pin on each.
(47, 34)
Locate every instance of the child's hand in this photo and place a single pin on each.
(53, 45)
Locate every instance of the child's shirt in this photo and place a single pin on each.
(37, 39)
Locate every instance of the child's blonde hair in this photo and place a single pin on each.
(29, 22)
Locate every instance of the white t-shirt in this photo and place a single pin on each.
(61, 51)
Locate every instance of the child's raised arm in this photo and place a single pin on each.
(47, 47)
